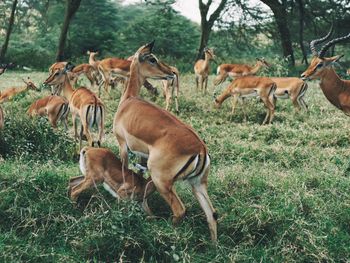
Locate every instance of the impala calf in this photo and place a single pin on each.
(251, 86)
(101, 166)
(336, 90)
(202, 69)
(55, 107)
(174, 150)
(9, 93)
(237, 70)
(83, 103)
(169, 87)
(293, 88)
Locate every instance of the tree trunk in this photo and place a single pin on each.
(301, 31)
(9, 31)
(71, 8)
(206, 25)
(280, 14)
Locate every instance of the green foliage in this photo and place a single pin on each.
(34, 139)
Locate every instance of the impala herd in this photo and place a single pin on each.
(172, 150)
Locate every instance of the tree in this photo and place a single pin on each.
(207, 25)
(301, 31)
(71, 8)
(280, 13)
(8, 32)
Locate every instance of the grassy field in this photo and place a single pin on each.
(281, 191)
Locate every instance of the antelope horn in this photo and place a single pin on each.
(320, 40)
(331, 43)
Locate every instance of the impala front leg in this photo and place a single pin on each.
(234, 104)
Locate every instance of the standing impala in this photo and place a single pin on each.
(336, 90)
(202, 69)
(82, 103)
(293, 88)
(251, 86)
(55, 107)
(237, 70)
(9, 93)
(174, 150)
(169, 87)
(120, 67)
(85, 69)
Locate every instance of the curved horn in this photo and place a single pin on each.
(320, 40)
(331, 43)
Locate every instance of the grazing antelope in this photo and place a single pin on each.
(169, 87)
(120, 67)
(9, 93)
(55, 107)
(174, 150)
(85, 69)
(202, 69)
(293, 88)
(101, 166)
(83, 103)
(237, 70)
(336, 90)
(251, 86)
(2, 118)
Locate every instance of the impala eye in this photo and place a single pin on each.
(152, 61)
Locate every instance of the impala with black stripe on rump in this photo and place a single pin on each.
(83, 104)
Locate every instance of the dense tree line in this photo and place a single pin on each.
(35, 33)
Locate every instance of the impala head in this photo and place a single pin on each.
(262, 62)
(319, 62)
(58, 76)
(30, 84)
(209, 52)
(149, 65)
(92, 53)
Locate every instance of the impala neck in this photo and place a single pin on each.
(256, 68)
(219, 100)
(206, 60)
(134, 83)
(67, 88)
(92, 59)
(332, 86)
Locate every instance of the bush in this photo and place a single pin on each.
(34, 139)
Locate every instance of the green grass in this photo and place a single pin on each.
(281, 191)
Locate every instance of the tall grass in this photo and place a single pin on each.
(281, 191)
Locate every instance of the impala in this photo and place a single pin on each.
(57, 66)
(94, 63)
(169, 87)
(101, 166)
(2, 118)
(174, 150)
(85, 69)
(251, 86)
(120, 67)
(83, 103)
(202, 69)
(9, 93)
(237, 70)
(336, 90)
(293, 88)
(55, 107)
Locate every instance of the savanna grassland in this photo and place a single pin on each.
(281, 190)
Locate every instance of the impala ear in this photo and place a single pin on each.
(150, 46)
(69, 67)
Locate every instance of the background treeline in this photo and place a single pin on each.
(241, 31)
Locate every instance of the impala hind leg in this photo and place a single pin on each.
(167, 191)
(197, 79)
(205, 84)
(199, 188)
(270, 109)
